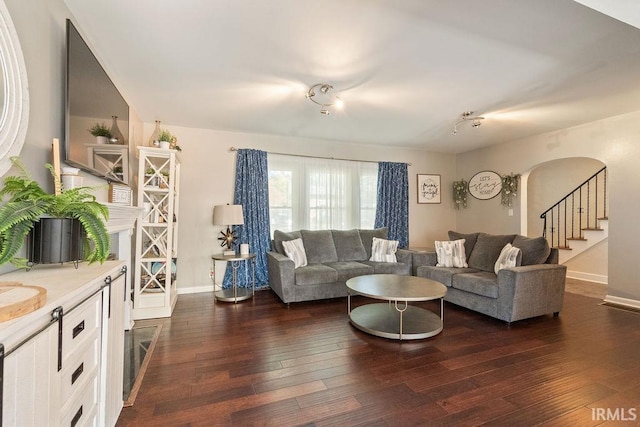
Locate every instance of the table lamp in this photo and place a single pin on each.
(228, 215)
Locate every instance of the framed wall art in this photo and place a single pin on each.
(485, 185)
(429, 188)
(120, 194)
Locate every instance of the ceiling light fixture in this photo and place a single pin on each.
(320, 94)
(468, 116)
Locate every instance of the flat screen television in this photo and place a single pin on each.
(92, 99)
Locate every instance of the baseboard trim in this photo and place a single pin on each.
(195, 289)
(588, 277)
(626, 302)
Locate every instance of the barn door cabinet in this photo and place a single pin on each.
(63, 363)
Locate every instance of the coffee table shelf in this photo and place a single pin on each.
(383, 320)
(396, 319)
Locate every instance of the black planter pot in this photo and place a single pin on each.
(55, 241)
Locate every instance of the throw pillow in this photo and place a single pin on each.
(383, 250)
(368, 235)
(508, 257)
(294, 249)
(281, 236)
(451, 254)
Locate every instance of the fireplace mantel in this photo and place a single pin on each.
(121, 218)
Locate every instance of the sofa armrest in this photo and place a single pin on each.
(281, 275)
(531, 290)
(423, 258)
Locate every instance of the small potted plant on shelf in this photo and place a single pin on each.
(69, 226)
(150, 177)
(117, 172)
(101, 132)
(165, 138)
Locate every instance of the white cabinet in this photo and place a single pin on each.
(63, 363)
(155, 292)
(113, 358)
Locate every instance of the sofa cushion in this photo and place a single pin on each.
(367, 238)
(469, 241)
(319, 246)
(348, 245)
(295, 252)
(481, 283)
(389, 267)
(314, 274)
(486, 250)
(534, 250)
(348, 269)
(281, 236)
(443, 275)
(451, 253)
(383, 250)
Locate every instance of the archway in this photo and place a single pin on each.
(543, 186)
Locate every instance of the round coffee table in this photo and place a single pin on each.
(396, 319)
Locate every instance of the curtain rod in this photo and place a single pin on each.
(317, 157)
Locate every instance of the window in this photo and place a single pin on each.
(320, 194)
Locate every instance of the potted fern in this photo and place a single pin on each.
(58, 228)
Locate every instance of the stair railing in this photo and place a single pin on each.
(578, 211)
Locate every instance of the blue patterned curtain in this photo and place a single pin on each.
(392, 209)
(252, 192)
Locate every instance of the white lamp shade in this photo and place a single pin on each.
(228, 215)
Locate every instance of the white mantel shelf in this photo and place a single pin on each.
(121, 218)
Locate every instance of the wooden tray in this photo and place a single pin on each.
(17, 299)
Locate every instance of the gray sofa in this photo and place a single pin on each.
(334, 256)
(534, 288)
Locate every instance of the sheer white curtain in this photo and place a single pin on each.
(320, 194)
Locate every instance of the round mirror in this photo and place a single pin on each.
(14, 98)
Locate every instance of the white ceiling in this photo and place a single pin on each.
(406, 69)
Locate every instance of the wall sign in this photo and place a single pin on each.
(429, 190)
(120, 194)
(485, 185)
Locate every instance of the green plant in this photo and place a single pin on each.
(28, 202)
(100, 129)
(509, 189)
(165, 135)
(460, 189)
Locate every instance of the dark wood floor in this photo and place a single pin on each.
(261, 363)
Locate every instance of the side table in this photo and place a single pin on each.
(235, 294)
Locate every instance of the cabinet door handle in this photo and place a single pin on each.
(76, 417)
(76, 374)
(79, 328)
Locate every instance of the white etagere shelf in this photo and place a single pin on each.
(155, 292)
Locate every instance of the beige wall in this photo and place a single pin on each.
(208, 171)
(207, 178)
(612, 141)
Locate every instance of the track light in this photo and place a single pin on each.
(467, 116)
(320, 94)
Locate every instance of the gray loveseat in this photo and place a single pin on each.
(333, 256)
(534, 288)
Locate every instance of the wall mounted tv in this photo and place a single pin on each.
(93, 100)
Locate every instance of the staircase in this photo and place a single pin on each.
(579, 220)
